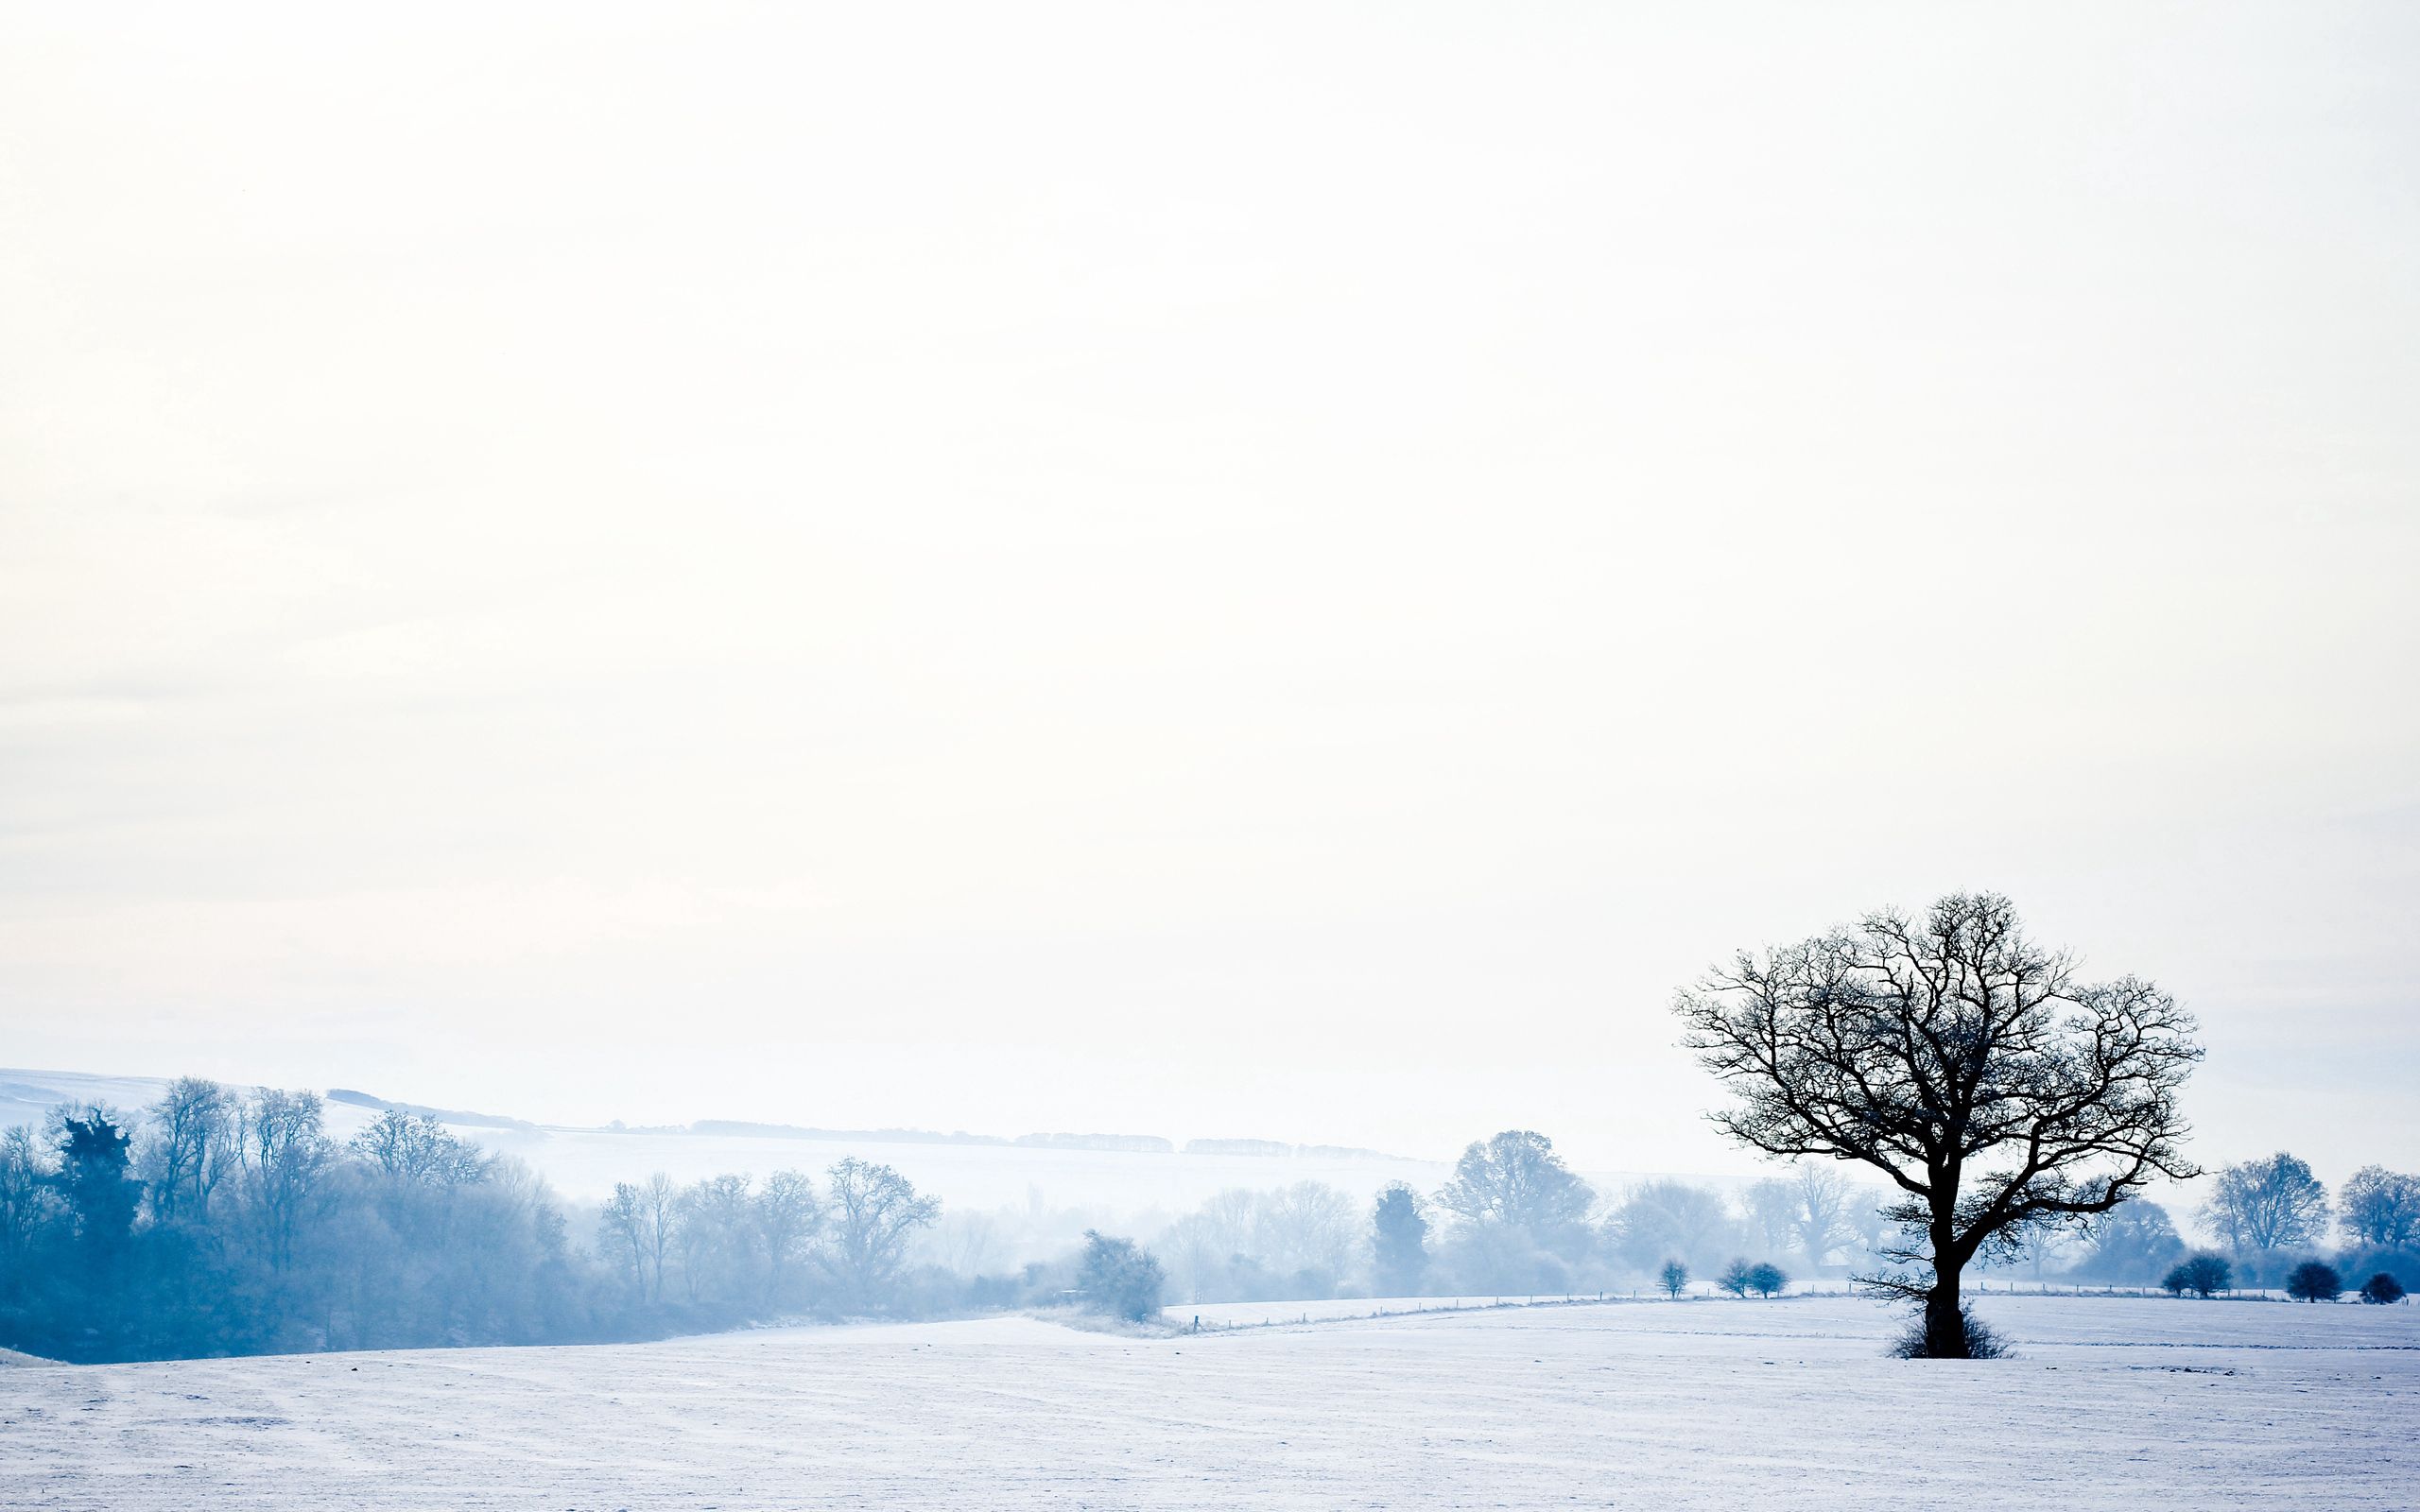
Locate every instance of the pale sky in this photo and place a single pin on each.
(1282, 570)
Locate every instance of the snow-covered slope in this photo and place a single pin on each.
(2137, 1405)
(584, 1163)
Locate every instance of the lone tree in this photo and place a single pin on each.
(2383, 1289)
(2000, 1096)
(1673, 1277)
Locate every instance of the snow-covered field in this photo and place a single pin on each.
(2115, 1403)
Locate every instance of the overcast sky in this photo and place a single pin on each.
(1286, 571)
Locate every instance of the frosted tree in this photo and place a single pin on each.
(2259, 1206)
(1516, 1180)
(2380, 1208)
(873, 1212)
(788, 1215)
(286, 1156)
(1306, 1229)
(1660, 1220)
(29, 1202)
(188, 1148)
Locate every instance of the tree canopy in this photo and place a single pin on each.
(1994, 1090)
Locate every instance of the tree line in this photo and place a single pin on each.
(1516, 1220)
(2005, 1109)
(226, 1222)
(1513, 1219)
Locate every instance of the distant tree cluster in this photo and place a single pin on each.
(1763, 1279)
(2202, 1275)
(222, 1222)
(1512, 1219)
(1118, 1277)
(2270, 1218)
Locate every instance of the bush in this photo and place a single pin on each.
(1673, 1277)
(2314, 1280)
(2203, 1275)
(1767, 1277)
(1118, 1278)
(1982, 1342)
(2383, 1289)
(1734, 1279)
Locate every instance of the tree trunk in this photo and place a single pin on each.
(1944, 1321)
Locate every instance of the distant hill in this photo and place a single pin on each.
(1130, 1144)
(1279, 1150)
(1106, 1173)
(443, 1115)
(797, 1132)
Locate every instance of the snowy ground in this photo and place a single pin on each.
(1271, 1315)
(2115, 1403)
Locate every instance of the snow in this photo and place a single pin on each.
(1141, 1189)
(584, 1163)
(2115, 1403)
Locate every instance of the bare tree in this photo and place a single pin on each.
(1670, 1220)
(2259, 1205)
(658, 1217)
(284, 1153)
(1807, 1210)
(1995, 1092)
(717, 1238)
(28, 1201)
(1772, 1207)
(2135, 1243)
(1821, 1212)
(1198, 1255)
(1308, 1227)
(1516, 1179)
(190, 1147)
(874, 1211)
(623, 1231)
(417, 1150)
(2380, 1208)
(787, 1215)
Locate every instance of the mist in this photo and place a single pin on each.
(1112, 570)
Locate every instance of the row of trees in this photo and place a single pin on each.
(2312, 1281)
(2262, 1220)
(2270, 1214)
(2008, 1106)
(1513, 1218)
(221, 1222)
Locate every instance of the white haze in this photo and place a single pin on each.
(1277, 571)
